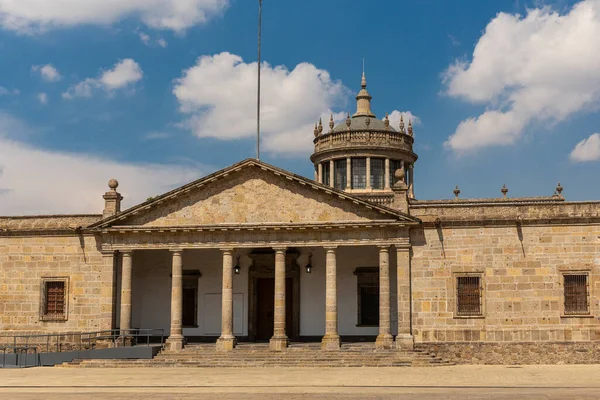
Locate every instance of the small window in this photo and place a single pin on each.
(368, 296)
(339, 174)
(576, 294)
(325, 173)
(54, 299)
(359, 173)
(468, 296)
(377, 173)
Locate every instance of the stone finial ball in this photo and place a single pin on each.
(113, 184)
(399, 174)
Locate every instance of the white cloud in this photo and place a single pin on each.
(6, 92)
(42, 98)
(148, 41)
(124, 74)
(394, 118)
(60, 182)
(587, 150)
(219, 95)
(33, 16)
(145, 38)
(537, 68)
(47, 72)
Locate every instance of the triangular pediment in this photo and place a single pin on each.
(252, 192)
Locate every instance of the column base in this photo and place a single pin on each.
(279, 343)
(384, 341)
(226, 343)
(330, 342)
(405, 342)
(175, 342)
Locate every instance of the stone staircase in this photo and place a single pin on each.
(259, 355)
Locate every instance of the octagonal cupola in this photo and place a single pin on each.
(362, 153)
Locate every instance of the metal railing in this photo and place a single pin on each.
(20, 345)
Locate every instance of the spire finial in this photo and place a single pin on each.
(402, 124)
(348, 121)
(316, 130)
(331, 123)
(456, 192)
(320, 125)
(504, 190)
(559, 189)
(387, 121)
(410, 128)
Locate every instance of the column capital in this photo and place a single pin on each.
(176, 251)
(330, 248)
(280, 249)
(384, 247)
(226, 249)
(126, 253)
(108, 253)
(402, 248)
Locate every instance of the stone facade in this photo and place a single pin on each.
(508, 259)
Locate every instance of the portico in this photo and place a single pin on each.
(312, 220)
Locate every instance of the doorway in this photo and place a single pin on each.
(265, 307)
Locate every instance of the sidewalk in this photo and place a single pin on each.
(177, 382)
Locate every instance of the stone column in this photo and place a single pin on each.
(331, 340)
(404, 340)
(348, 173)
(387, 174)
(175, 340)
(320, 173)
(385, 340)
(368, 186)
(331, 174)
(279, 341)
(227, 341)
(126, 267)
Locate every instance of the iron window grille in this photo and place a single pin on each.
(377, 173)
(54, 303)
(359, 173)
(339, 174)
(468, 296)
(576, 294)
(325, 173)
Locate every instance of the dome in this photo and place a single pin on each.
(360, 124)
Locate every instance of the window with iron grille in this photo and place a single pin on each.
(54, 299)
(368, 296)
(468, 296)
(359, 173)
(325, 173)
(576, 294)
(339, 174)
(377, 173)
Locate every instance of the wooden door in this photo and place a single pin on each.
(265, 307)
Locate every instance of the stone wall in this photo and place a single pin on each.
(26, 260)
(521, 265)
(516, 353)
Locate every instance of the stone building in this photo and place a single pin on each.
(256, 253)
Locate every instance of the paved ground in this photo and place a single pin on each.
(464, 382)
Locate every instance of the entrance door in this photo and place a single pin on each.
(265, 307)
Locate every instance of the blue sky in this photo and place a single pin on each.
(157, 93)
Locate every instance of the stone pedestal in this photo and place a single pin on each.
(405, 342)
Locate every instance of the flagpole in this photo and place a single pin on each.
(258, 96)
